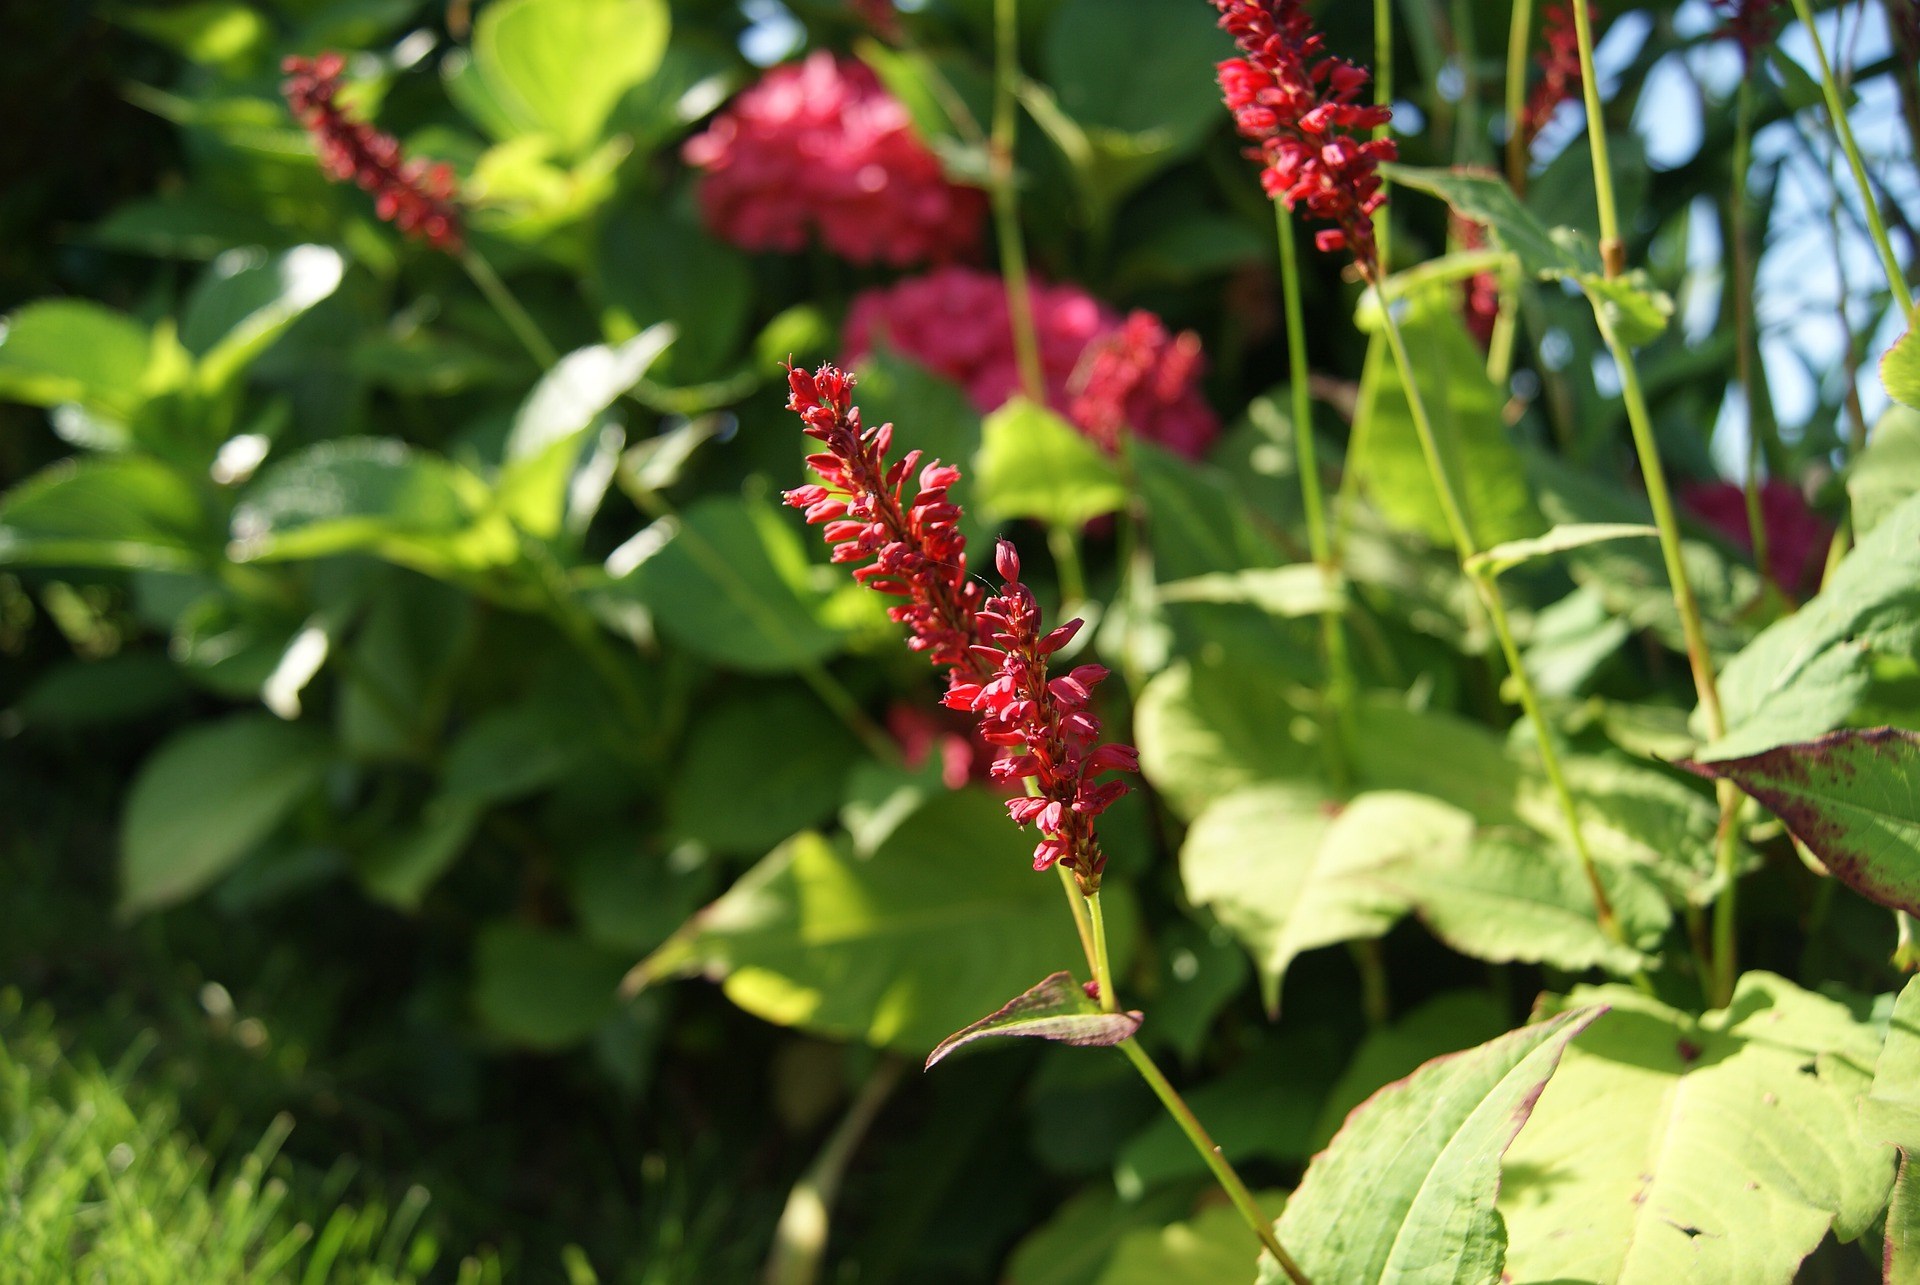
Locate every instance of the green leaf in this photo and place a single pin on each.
(1902, 1254)
(1447, 1023)
(1503, 558)
(70, 350)
(1033, 464)
(1501, 900)
(798, 779)
(1081, 1236)
(544, 442)
(121, 511)
(1488, 477)
(1211, 725)
(217, 33)
(631, 897)
(369, 495)
(560, 66)
(1406, 1189)
(205, 798)
(542, 988)
(1852, 797)
(1892, 1111)
(942, 921)
(1212, 1247)
(510, 752)
(1808, 673)
(1718, 1148)
(654, 267)
(1632, 306)
(247, 300)
(1197, 521)
(729, 580)
(1137, 68)
(1286, 872)
(1887, 473)
(1487, 200)
(1900, 370)
(1301, 589)
(403, 864)
(1054, 1008)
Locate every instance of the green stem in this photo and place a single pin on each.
(1743, 317)
(1076, 903)
(1489, 592)
(1519, 35)
(1341, 686)
(1837, 111)
(800, 1239)
(1383, 97)
(1613, 251)
(1102, 970)
(1064, 543)
(509, 308)
(1209, 1150)
(1006, 198)
(1467, 137)
(1376, 1000)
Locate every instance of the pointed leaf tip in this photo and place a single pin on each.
(1057, 1009)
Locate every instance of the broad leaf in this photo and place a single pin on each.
(70, 350)
(1808, 673)
(1900, 370)
(1501, 899)
(1197, 520)
(729, 580)
(1138, 68)
(1721, 1148)
(1301, 589)
(1286, 871)
(656, 268)
(1211, 725)
(1464, 408)
(798, 780)
(205, 798)
(1406, 1189)
(942, 922)
(405, 862)
(370, 495)
(560, 66)
(1900, 1256)
(542, 988)
(1892, 1112)
(569, 400)
(1447, 1023)
(1056, 1008)
(1503, 558)
(120, 511)
(1852, 797)
(1887, 473)
(1211, 1248)
(247, 300)
(1033, 464)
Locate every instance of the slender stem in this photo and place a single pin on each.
(1837, 111)
(1209, 1150)
(508, 307)
(1006, 197)
(1064, 543)
(1468, 136)
(1503, 628)
(1076, 905)
(1341, 686)
(800, 1239)
(1102, 969)
(1613, 251)
(1376, 1000)
(1726, 848)
(1519, 35)
(1743, 316)
(1383, 97)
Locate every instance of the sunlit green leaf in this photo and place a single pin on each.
(1054, 1008)
(1033, 464)
(560, 66)
(122, 511)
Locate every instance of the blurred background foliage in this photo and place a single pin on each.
(365, 716)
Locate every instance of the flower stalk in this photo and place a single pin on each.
(1006, 196)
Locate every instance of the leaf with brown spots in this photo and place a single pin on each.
(1055, 1008)
(1853, 797)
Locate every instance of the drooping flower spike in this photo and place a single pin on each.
(1299, 105)
(414, 196)
(995, 649)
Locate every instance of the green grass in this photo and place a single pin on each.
(100, 1183)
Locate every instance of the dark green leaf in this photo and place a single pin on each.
(785, 746)
(542, 988)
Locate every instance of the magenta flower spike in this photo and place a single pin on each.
(1300, 106)
(996, 649)
(414, 196)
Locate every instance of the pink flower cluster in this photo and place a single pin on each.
(415, 197)
(995, 650)
(1023, 709)
(1797, 537)
(1559, 63)
(955, 322)
(1299, 105)
(1480, 304)
(820, 148)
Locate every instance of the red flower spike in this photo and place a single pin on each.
(820, 148)
(1754, 23)
(1559, 63)
(1299, 106)
(1136, 375)
(414, 196)
(995, 649)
